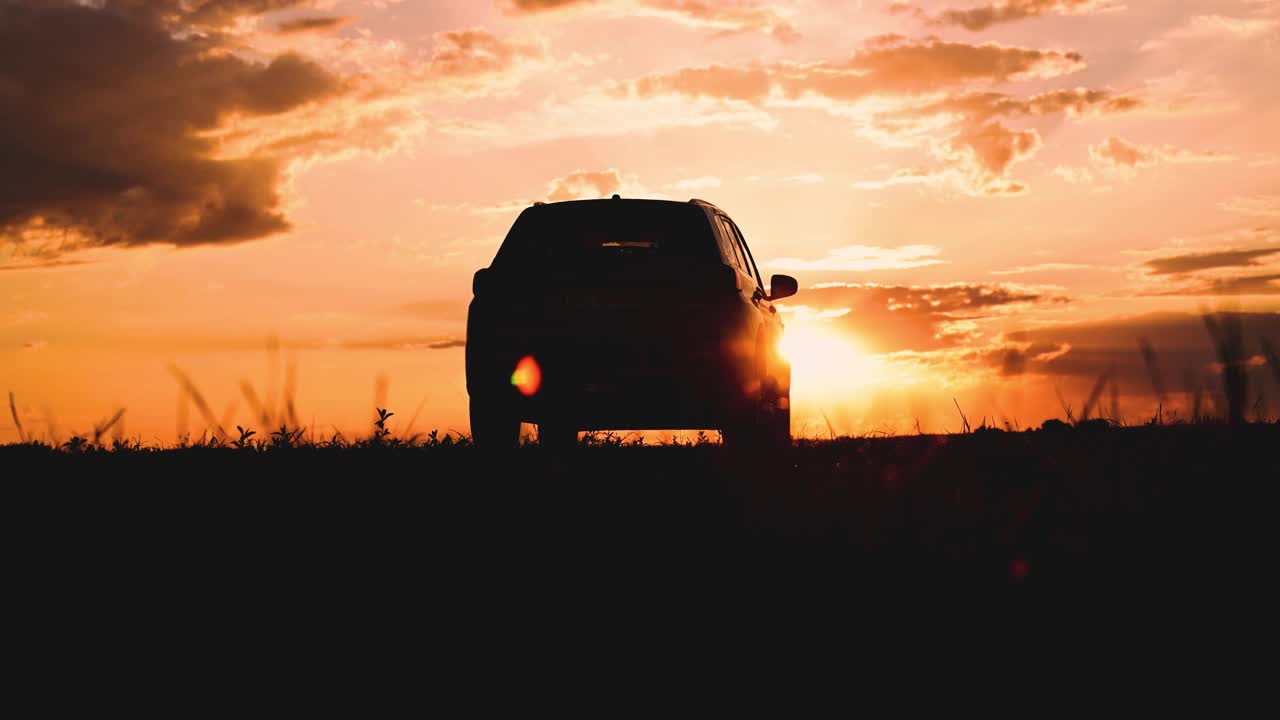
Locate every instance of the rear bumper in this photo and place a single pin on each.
(620, 386)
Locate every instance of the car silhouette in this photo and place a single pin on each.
(626, 314)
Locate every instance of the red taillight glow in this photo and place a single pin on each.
(527, 377)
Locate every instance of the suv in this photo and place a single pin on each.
(626, 314)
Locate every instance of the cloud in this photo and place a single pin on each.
(584, 184)
(107, 145)
(886, 66)
(537, 6)
(1196, 261)
(866, 257)
(976, 149)
(1074, 175)
(1118, 154)
(1002, 11)
(1266, 284)
(311, 24)
(983, 155)
(1215, 27)
(896, 318)
(726, 18)
(201, 14)
(1182, 352)
(1043, 267)
(1258, 205)
(477, 52)
(1232, 270)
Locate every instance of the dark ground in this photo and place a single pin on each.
(1177, 506)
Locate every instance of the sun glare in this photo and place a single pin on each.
(827, 361)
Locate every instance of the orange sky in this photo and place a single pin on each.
(983, 200)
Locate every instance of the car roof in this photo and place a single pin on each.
(629, 201)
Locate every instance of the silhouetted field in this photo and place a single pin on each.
(1184, 505)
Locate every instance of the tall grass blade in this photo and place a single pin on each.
(1095, 394)
(197, 398)
(1273, 360)
(1153, 369)
(1227, 333)
(101, 428)
(13, 410)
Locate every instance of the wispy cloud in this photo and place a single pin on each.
(1043, 267)
(1118, 154)
(865, 258)
(1215, 27)
(698, 183)
(1257, 205)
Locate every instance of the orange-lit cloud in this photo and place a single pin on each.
(976, 150)
(887, 66)
(477, 52)
(584, 184)
(981, 17)
(1117, 153)
(894, 318)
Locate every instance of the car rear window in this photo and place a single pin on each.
(583, 234)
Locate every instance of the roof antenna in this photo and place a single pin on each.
(616, 196)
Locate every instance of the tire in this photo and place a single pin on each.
(557, 435)
(766, 426)
(493, 425)
(765, 423)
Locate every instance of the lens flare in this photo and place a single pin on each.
(528, 376)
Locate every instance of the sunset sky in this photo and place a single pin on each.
(986, 202)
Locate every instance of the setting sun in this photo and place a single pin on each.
(822, 357)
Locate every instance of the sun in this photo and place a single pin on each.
(825, 360)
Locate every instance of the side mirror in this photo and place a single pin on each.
(782, 286)
(481, 280)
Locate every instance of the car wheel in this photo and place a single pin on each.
(557, 435)
(494, 425)
(765, 426)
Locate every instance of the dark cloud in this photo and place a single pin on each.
(102, 117)
(1192, 262)
(1182, 357)
(310, 24)
(1267, 284)
(887, 318)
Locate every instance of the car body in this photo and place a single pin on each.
(625, 314)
